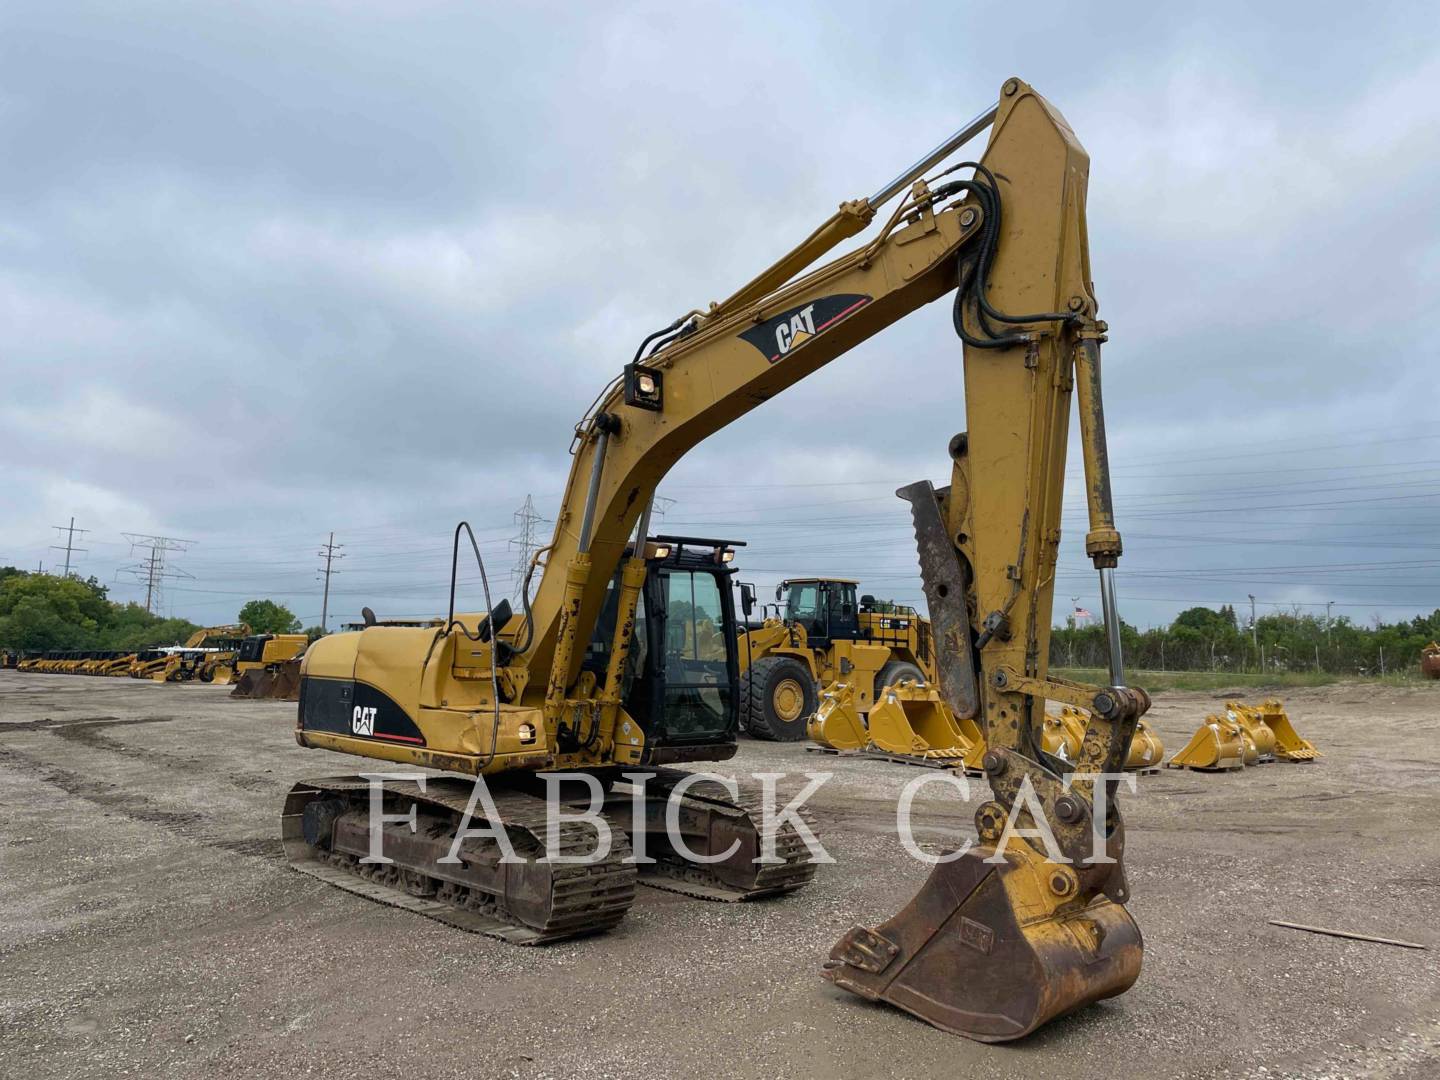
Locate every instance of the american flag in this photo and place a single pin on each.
(1081, 613)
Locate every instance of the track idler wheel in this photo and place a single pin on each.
(992, 951)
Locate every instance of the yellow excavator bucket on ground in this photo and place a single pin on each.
(910, 720)
(1066, 731)
(1259, 739)
(836, 724)
(1289, 746)
(1219, 744)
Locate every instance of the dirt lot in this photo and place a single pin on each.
(149, 926)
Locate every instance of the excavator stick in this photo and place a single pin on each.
(910, 722)
(1016, 932)
(1217, 745)
(836, 724)
(1289, 746)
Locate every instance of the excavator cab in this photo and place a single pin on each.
(682, 674)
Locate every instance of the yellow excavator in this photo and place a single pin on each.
(995, 943)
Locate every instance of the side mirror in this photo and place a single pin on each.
(747, 598)
(778, 589)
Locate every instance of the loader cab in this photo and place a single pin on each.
(825, 607)
(682, 676)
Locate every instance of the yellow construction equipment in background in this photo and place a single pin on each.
(911, 723)
(1245, 735)
(824, 634)
(268, 666)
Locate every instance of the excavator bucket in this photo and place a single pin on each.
(1219, 744)
(1146, 750)
(224, 675)
(909, 721)
(836, 724)
(1259, 739)
(1289, 746)
(1063, 734)
(992, 950)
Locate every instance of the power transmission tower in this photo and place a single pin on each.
(329, 551)
(151, 569)
(69, 546)
(525, 544)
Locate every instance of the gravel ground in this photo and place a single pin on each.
(149, 925)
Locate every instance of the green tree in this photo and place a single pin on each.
(314, 633)
(268, 617)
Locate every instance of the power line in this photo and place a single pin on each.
(329, 552)
(524, 544)
(152, 569)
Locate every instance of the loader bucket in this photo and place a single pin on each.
(836, 724)
(246, 683)
(224, 675)
(963, 957)
(1219, 744)
(286, 683)
(1289, 746)
(909, 719)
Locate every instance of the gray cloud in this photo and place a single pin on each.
(274, 269)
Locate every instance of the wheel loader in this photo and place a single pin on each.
(821, 635)
(999, 940)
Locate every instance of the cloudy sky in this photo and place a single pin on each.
(270, 269)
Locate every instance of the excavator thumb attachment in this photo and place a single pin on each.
(1289, 746)
(1218, 744)
(836, 724)
(990, 950)
(910, 720)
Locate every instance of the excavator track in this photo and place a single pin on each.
(716, 820)
(324, 829)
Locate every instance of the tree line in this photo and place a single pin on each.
(1206, 639)
(41, 612)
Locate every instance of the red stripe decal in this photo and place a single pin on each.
(837, 318)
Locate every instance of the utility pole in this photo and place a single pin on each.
(525, 543)
(328, 552)
(1328, 605)
(151, 569)
(69, 545)
(1255, 633)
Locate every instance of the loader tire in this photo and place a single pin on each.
(893, 672)
(777, 697)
